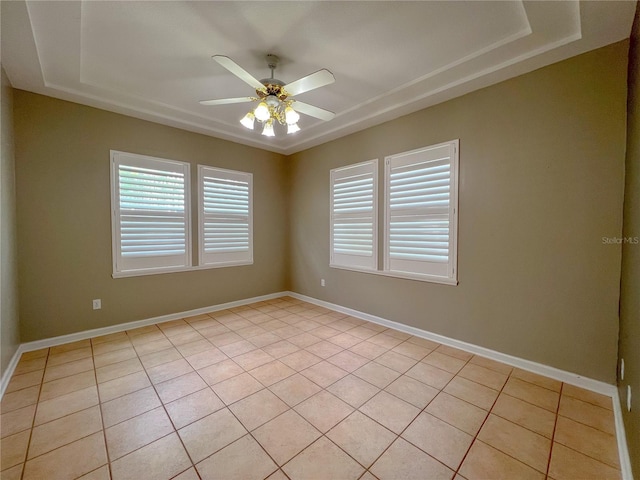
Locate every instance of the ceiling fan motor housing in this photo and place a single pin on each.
(272, 86)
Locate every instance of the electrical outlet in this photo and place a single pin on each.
(629, 398)
(97, 304)
(622, 369)
(322, 284)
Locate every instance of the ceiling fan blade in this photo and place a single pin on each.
(226, 101)
(310, 82)
(238, 71)
(313, 111)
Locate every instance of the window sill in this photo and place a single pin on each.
(406, 276)
(158, 271)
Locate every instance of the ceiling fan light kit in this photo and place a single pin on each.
(275, 97)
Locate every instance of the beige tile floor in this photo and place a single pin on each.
(285, 389)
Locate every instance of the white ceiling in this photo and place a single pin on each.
(152, 60)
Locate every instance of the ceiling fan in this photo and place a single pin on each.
(275, 97)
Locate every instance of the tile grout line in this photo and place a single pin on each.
(455, 472)
(414, 419)
(142, 413)
(69, 443)
(355, 409)
(575, 398)
(175, 430)
(556, 412)
(591, 458)
(59, 418)
(293, 408)
(35, 413)
(250, 432)
(556, 418)
(475, 437)
(380, 390)
(523, 426)
(555, 426)
(144, 368)
(587, 425)
(104, 430)
(225, 407)
(558, 415)
(231, 412)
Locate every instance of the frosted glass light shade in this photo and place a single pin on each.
(262, 112)
(293, 128)
(248, 120)
(291, 116)
(268, 129)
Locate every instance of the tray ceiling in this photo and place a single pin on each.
(152, 60)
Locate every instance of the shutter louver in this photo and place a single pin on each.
(419, 212)
(225, 217)
(150, 214)
(353, 216)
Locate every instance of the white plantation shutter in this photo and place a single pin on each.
(225, 216)
(354, 216)
(420, 212)
(150, 213)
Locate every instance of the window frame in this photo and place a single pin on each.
(202, 255)
(144, 161)
(452, 266)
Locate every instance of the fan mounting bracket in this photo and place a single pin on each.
(272, 61)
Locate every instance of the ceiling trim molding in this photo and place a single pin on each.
(50, 38)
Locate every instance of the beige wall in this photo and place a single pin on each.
(630, 284)
(541, 182)
(9, 326)
(64, 222)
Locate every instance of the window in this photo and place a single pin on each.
(354, 216)
(150, 214)
(225, 224)
(421, 203)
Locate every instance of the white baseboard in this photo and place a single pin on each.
(623, 448)
(9, 371)
(541, 369)
(96, 332)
